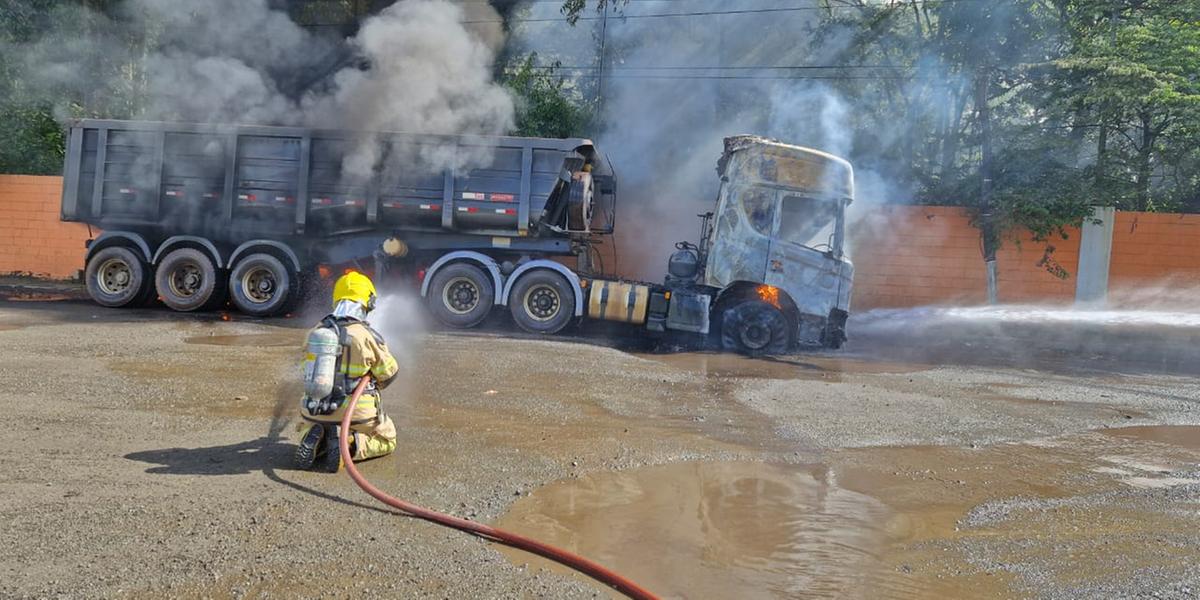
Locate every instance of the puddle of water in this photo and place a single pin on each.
(715, 529)
(1151, 483)
(877, 522)
(1175, 435)
(787, 367)
(260, 340)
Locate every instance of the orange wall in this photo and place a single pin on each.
(916, 255)
(32, 239)
(1155, 248)
(903, 255)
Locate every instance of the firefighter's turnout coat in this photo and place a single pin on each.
(365, 353)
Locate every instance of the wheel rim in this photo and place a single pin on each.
(755, 336)
(542, 302)
(114, 276)
(460, 295)
(186, 280)
(259, 285)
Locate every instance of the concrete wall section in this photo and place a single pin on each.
(1095, 256)
(32, 239)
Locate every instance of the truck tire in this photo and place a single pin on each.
(542, 301)
(261, 286)
(187, 280)
(460, 295)
(116, 277)
(754, 328)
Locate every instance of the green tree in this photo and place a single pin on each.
(1130, 75)
(62, 59)
(547, 104)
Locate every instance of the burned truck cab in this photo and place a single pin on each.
(776, 241)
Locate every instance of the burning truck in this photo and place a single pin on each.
(201, 215)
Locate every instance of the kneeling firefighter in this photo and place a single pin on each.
(342, 349)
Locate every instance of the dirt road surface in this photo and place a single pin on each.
(147, 457)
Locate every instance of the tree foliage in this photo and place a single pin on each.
(37, 99)
(547, 106)
(1091, 102)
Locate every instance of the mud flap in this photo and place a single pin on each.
(834, 334)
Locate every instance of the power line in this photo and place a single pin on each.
(612, 75)
(745, 11)
(716, 68)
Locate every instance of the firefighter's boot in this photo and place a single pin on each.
(330, 460)
(309, 447)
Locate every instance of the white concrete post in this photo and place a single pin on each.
(1095, 252)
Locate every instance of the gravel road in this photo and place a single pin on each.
(149, 458)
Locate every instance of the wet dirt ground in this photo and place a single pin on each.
(149, 453)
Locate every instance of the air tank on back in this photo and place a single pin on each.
(320, 363)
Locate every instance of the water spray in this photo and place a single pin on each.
(568, 559)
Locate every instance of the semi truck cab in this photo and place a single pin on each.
(775, 247)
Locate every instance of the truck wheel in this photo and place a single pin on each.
(261, 286)
(754, 328)
(187, 280)
(460, 295)
(542, 301)
(116, 277)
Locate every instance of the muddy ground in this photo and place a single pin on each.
(148, 457)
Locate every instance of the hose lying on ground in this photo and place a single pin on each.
(583, 565)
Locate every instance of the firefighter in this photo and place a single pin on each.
(361, 351)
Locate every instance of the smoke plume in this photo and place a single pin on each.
(673, 87)
(413, 68)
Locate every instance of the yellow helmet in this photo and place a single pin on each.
(356, 287)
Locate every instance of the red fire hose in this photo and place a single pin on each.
(583, 565)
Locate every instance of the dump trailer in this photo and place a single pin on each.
(203, 215)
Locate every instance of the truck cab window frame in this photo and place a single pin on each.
(809, 221)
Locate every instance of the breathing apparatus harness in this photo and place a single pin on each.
(337, 395)
(332, 327)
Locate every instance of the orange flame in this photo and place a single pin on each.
(769, 294)
(324, 271)
(225, 316)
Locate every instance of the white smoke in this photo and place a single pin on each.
(416, 68)
(400, 318)
(429, 75)
(674, 87)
